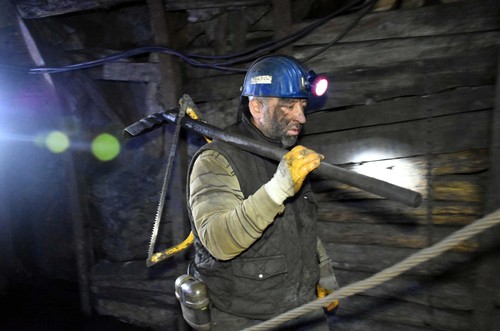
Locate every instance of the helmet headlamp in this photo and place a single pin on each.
(317, 85)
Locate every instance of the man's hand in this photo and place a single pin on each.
(322, 292)
(291, 173)
(327, 281)
(300, 161)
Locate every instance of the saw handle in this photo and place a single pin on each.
(160, 256)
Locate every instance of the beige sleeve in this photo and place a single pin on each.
(226, 223)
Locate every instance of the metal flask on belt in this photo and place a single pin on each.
(193, 297)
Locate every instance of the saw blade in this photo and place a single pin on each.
(166, 179)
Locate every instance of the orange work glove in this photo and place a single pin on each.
(291, 173)
(322, 292)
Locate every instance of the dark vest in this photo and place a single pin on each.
(280, 270)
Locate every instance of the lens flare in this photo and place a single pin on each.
(105, 147)
(57, 142)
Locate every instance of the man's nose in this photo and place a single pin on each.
(298, 113)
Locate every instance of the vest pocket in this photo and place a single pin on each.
(260, 288)
(260, 268)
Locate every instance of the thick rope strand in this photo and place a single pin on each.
(413, 260)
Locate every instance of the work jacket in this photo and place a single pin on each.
(279, 271)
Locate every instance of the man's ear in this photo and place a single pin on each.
(255, 108)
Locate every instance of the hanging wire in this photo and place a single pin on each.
(236, 58)
(286, 40)
(364, 11)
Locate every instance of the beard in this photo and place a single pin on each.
(278, 127)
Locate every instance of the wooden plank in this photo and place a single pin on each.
(493, 198)
(32, 9)
(465, 162)
(80, 86)
(219, 113)
(403, 139)
(394, 235)
(175, 5)
(487, 285)
(374, 84)
(163, 286)
(154, 317)
(351, 323)
(282, 22)
(459, 188)
(141, 297)
(424, 77)
(475, 15)
(451, 291)
(215, 88)
(395, 311)
(411, 78)
(105, 272)
(29, 9)
(389, 51)
(402, 109)
(168, 91)
(457, 213)
(462, 162)
(374, 258)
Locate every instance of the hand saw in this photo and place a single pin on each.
(186, 106)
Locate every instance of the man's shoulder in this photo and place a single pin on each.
(211, 158)
(209, 154)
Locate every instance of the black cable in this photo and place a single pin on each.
(341, 35)
(241, 57)
(286, 39)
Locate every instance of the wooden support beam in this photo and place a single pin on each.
(28, 9)
(80, 217)
(167, 95)
(169, 86)
(487, 287)
(493, 198)
(69, 95)
(7, 256)
(439, 20)
(282, 18)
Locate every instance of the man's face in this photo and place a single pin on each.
(282, 119)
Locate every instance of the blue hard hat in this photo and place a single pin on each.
(278, 76)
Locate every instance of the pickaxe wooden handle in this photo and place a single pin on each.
(325, 170)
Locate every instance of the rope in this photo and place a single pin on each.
(413, 260)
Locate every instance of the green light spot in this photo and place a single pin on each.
(105, 147)
(57, 142)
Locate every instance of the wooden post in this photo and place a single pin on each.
(170, 83)
(282, 17)
(7, 257)
(83, 245)
(166, 96)
(487, 285)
